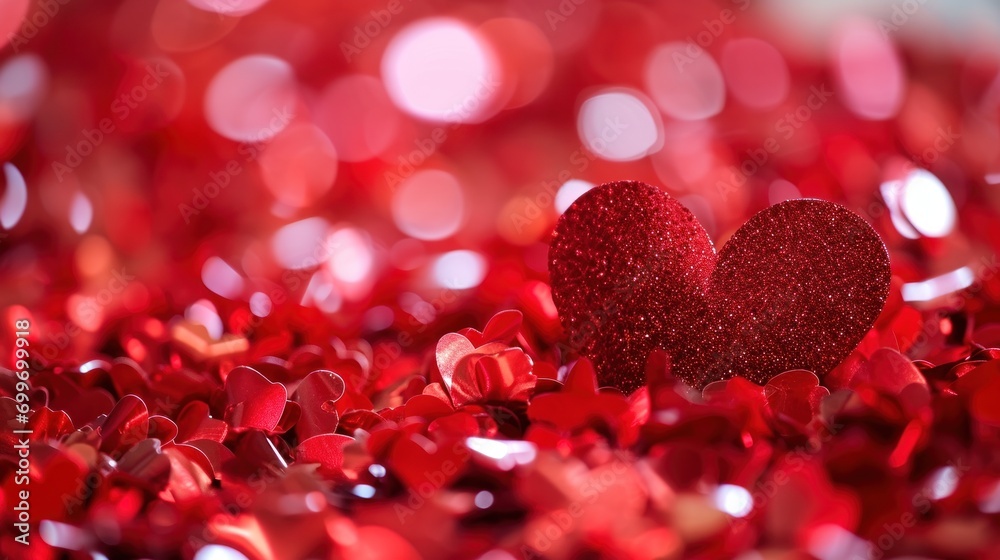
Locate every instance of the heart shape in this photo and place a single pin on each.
(126, 425)
(252, 401)
(317, 395)
(632, 270)
(195, 422)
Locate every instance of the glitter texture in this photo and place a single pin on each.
(796, 287)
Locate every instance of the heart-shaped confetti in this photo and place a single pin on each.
(797, 287)
(318, 394)
(252, 401)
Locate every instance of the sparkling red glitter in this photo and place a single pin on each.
(796, 287)
(285, 268)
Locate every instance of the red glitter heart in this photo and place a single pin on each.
(797, 287)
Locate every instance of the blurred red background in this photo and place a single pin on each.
(235, 178)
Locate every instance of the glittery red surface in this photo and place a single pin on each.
(284, 271)
(796, 287)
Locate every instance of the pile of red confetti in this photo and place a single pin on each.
(485, 447)
(246, 245)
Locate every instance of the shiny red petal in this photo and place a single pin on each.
(46, 423)
(417, 461)
(888, 370)
(458, 425)
(127, 425)
(252, 400)
(582, 378)
(502, 327)
(450, 349)
(289, 417)
(428, 406)
(505, 376)
(162, 428)
(195, 422)
(216, 454)
(146, 465)
(317, 395)
(327, 450)
(128, 377)
(795, 394)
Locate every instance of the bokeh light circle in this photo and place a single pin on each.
(220, 277)
(300, 244)
(429, 205)
(440, 69)
(15, 197)
(359, 118)
(685, 82)
(781, 190)
(569, 192)
(459, 270)
(351, 264)
(81, 213)
(526, 55)
(251, 99)
(260, 304)
(178, 26)
(299, 165)
(927, 204)
(755, 72)
(23, 80)
(204, 313)
(868, 70)
(219, 552)
(228, 7)
(619, 126)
